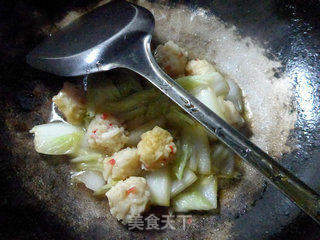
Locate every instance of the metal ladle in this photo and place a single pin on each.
(118, 35)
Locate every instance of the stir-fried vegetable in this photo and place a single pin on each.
(179, 118)
(91, 179)
(157, 108)
(208, 97)
(92, 166)
(191, 201)
(213, 80)
(105, 188)
(200, 196)
(56, 138)
(85, 156)
(203, 150)
(234, 95)
(159, 183)
(131, 102)
(140, 111)
(193, 160)
(127, 84)
(100, 91)
(178, 186)
(223, 162)
(182, 156)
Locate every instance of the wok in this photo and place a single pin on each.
(271, 48)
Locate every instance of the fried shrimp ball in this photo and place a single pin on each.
(122, 164)
(156, 148)
(106, 134)
(172, 59)
(129, 198)
(199, 67)
(71, 102)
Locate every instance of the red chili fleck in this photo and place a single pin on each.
(94, 131)
(104, 116)
(112, 161)
(167, 68)
(110, 124)
(131, 190)
(189, 221)
(171, 148)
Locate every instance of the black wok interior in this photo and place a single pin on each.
(289, 29)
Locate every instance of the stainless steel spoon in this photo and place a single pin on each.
(117, 35)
